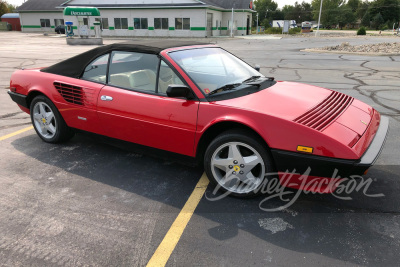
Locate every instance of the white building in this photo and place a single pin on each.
(167, 18)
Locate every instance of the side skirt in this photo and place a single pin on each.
(140, 149)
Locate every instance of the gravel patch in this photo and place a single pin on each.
(384, 48)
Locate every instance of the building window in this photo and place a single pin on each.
(140, 23)
(85, 21)
(182, 23)
(58, 22)
(161, 23)
(45, 23)
(121, 23)
(103, 23)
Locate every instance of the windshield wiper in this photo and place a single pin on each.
(231, 86)
(226, 87)
(251, 79)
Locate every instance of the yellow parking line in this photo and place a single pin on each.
(167, 245)
(15, 133)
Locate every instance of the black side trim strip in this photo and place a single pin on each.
(18, 98)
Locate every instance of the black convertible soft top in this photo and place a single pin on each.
(74, 66)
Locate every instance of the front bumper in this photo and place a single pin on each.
(376, 146)
(287, 161)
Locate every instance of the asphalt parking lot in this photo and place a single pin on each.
(88, 203)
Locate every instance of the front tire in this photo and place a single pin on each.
(237, 162)
(47, 121)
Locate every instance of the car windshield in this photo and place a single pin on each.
(212, 68)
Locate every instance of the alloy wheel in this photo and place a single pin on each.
(44, 120)
(237, 167)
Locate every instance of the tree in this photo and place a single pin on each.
(330, 11)
(345, 16)
(389, 9)
(3, 8)
(353, 5)
(307, 14)
(377, 21)
(299, 12)
(363, 8)
(366, 20)
(267, 11)
(11, 8)
(287, 11)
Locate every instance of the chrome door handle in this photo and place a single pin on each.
(106, 98)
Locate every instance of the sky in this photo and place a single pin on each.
(15, 2)
(281, 3)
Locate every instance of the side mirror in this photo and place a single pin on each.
(176, 90)
(257, 67)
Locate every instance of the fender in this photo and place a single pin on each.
(235, 119)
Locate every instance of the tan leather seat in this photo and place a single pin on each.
(143, 80)
(120, 79)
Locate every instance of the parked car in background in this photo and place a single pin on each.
(315, 26)
(60, 29)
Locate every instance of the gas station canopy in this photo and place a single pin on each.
(81, 11)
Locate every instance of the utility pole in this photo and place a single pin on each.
(319, 19)
(398, 28)
(257, 24)
(232, 24)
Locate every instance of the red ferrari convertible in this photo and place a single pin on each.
(201, 101)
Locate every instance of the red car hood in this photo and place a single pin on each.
(285, 100)
(331, 113)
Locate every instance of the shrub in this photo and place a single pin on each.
(383, 27)
(273, 30)
(276, 30)
(295, 30)
(362, 31)
(265, 23)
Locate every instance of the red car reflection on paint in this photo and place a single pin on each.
(200, 101)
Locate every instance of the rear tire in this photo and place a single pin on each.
(237, 162)
(48, 122)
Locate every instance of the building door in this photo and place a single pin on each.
(209, 24)
(248, 25)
